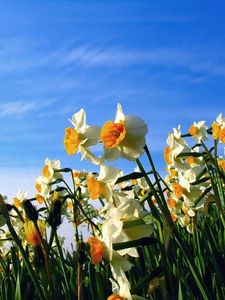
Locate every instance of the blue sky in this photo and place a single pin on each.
(162, 60)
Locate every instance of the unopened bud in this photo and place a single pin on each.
(30, 210)
(54, 218)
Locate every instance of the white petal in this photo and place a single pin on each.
(92, 136)
(135, 127)
(219, 119)
(108, 174)
(111, 154)
(88, 155)
(119, 114)
(132, 151)
(79, 121)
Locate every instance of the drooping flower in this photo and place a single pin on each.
(118, 264)
(123, 137)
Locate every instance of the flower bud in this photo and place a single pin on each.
(54, 218)
(30, 210)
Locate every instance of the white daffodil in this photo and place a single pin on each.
(101, 187)
(121, 290)
(49, 175)
(193, 195)
(42, 187)
(125, 137)
(81, 136)
(118, 264)
(176, 146)
(20, 196)
(49, 169)
(189, 176)
(199, 131)
(116, 217)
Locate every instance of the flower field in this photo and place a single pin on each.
(150, 237)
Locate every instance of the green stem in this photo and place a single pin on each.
(63, 265)
(191, 264)
(162, 207)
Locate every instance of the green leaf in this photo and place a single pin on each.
(18, 291)
(133, 175)
(135, 243)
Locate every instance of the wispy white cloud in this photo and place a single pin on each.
(196, 59)
(17, 108)
(21, 108)
(17, 55)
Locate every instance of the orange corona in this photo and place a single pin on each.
(96, 249)
(178, 190)
(193, 130)
(94, 188)
(112, 134)
(115, 297)
(71, 141)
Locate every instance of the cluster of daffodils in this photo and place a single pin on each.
(124, 137)
(118, 216)
(190, 170)
(118, 210)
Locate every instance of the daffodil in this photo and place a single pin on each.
(118, 264)
(121, 290)
(49, 175)
(115, 218)
(189, 176)
(49, 169)
(199, 131)
(81, 136)
(97, 249)
(42, 187)
(123, 137)
(176, 146)
(18, 199)
(101, 187)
